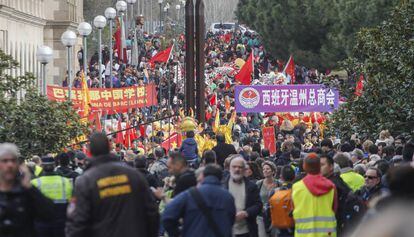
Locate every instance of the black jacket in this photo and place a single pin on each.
(67, 172)
(253, 205)
(223, 150)
(20, 208)
(112, 199)
(184, 181)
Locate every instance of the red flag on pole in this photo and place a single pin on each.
(269, 139)
(213, 99)
(118, 39)
(161, 57)
(172, 142)
(290, 70)
(245, 74)
(360, 86)
(127, 138)
(119, 137)
(98, 125)
(227, 38)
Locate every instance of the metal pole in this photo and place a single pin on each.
(111, 52)
(85, 66)
(152, 18)
(200, 83)
(44, 78)
(121, 53)
(100, 56)
(189, 53)
(160, 16)
(168, 107)
(69, 72)
(131, 20)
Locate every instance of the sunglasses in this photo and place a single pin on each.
(370, 177)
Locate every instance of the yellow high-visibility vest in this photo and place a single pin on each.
(37, 170)
(55, 187)
(313, 215)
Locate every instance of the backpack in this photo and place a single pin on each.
(281, 207)
(352, 211)
(163, 173)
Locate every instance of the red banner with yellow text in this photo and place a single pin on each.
(108, 99)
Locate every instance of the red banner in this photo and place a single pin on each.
(108, 99)
(269, 139)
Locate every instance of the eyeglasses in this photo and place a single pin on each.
(370, 177)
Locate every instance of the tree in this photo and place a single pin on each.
(35, 124)
(385, 56)
(319, 33)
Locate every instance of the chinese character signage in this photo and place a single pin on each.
(286, 98)
(117, 99)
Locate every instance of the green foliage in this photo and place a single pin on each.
(319, 33)
(385, 55)
(35, 124)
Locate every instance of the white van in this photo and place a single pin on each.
(222, 26)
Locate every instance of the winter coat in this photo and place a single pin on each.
(218, 200)
(254, 205)
(189, 149)
(107, 197)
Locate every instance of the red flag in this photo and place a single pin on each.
(360, 86)
(127, 138)
(227, 38)
(162, 56)
(118, 39)
(172, 141)
(269, 139)
(142, 130)
(245, 74)
(133, 134)
(119, 137)
(98, 125)
(290, 70)
(213, 99)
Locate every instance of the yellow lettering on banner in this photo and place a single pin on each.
(129, 93)
(112, 180)
(115, 191)
(118, 94)
(140, 91)
(78, 94)
(95, 95)
(106, 94)
(58, 93)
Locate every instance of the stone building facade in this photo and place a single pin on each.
(27, 24)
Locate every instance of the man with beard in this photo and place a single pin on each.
(247, 199)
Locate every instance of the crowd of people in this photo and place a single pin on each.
(220, 181)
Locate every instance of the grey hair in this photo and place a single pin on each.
(9, 149)
(239, 157)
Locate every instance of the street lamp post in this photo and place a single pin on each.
(110, 14)
(84, 30)
(178, 7)
(100, 22)
(121, 7)
(160, 3)
(131, 15)
(44, 55)
(166, 8)
(69, 40)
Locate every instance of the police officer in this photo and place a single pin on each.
(59, 190)
(111, 198)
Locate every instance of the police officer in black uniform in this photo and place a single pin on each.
(111, 198)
